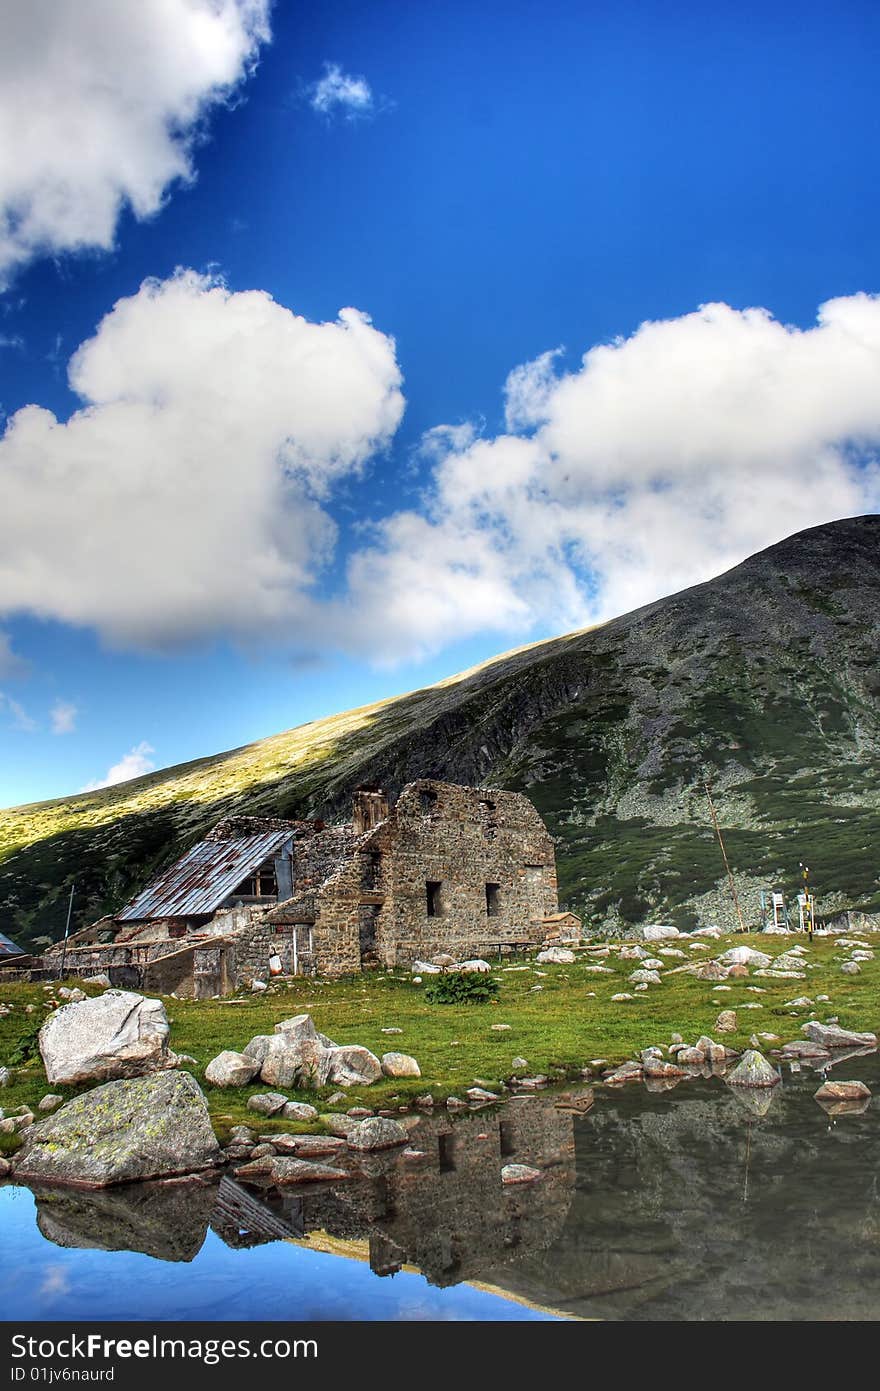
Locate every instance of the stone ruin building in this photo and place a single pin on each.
(464, 871)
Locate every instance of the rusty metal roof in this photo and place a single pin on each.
(199, 882)
(8, 947)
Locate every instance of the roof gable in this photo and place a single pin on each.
(198, 883)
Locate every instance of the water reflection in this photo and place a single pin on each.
(695, 1201)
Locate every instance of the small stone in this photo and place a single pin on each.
(455, 1103)
(851, 968)
(726, 1022)
(645, 977)
(425, 1101)
(286, 1171)
(616, 999)
(481, 1095)
(230, 1069)
(627, 1072)
(392, 1031)
(519, 1062)
(267, 1103)
(377, 1133)
(263, 1151)
(676, 1038)
(300, 1110)
(49, 1102)
(842, 1091)
(519, 1173)
(690, 1057)
(400, 1065)
(499, 1028)
(258, 986)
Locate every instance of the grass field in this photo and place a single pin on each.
(559, 1029)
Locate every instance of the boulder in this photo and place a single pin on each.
(50, 1102)
(753, 1070)
(124, 1131)
(231, 1070)
(712, 1052)
(744, 956)
(400, 1065)
(352, 1066)
(293, 1061)
(658, 1067)
(376, 1133)
(5, 1167)
(851, 968)
(267, 1103)
(690, 1057)
(710, 970)
(643, 977)
(842, 1091)
(299, 1111)
(102, 980)
(726, 1022)
(627, 1072)
(285, 1171)
(480, 1096)
(659, 933)
(519, 1173)
(476, 965)
(258, 1048)
(425, 968)
(301, 1026)
(559, 956)
(833, 1036)
(443, 959)
(306, 1146)
(117, 1034)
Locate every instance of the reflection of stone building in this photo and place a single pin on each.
(447, 869)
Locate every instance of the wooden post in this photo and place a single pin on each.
(730, 880)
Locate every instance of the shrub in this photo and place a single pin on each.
(461, 988)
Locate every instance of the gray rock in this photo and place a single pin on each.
(297, 1062)
(726, 1022)
(124, 1131)
(339, 1125)
(307, 1146)
(744, 956)
(659, 933)
(101, 980)
(231, 1070)
(842, 1091)
(287, 1171)
(353, 1066)
(519, 1062)
(481, 1095)
(299, 1027)
(258, 986)
(559, 956)
(519, 1173)
(299, 1111)
(628, 1072)
(267, 1103)
(690, 1057)
(117, 1034)
(258, 1048)
(425, 968)
(851, 968)
(376, 1133)
(753, 1070)
(5, 1076)
(476, 965)
(833, 1036)
(400, 1065)
(49, 1102)
(443, 959)
(712, 1051)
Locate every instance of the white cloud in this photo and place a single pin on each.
(184, 499)
(134, 764)
(63, 717)
(21, 720)
(662, 460)
(338, 93)
(10, 662)
(100, 105)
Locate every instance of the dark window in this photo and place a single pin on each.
(446, 1146)
(432, 898)
(493, 900)
(371, 867)
(261, 884)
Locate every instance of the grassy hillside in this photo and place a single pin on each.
(766, 678)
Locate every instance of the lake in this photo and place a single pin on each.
(684, 1202)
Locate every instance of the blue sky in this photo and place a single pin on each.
(252, 521)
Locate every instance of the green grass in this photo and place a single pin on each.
(558, 1029)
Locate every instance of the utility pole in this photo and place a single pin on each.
(67, 929)
(730, 880)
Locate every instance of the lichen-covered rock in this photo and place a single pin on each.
(267, 1103)
(299, 1111)
(117, 1034)
(753, 1070)
(400, 1065)
(842, 1091)
(376, 1133)
(231, 1070)
(726, 1022)
(122, 1132)
(352, 1066)
(833, 1036)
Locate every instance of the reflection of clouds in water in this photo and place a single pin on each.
(56, 1281)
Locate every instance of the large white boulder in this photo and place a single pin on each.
(659, 932)
(117, 1034)
(559, 956)
(744, 956)
(400, 1065)
(230, 1069)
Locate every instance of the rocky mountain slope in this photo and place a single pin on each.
(765, 678)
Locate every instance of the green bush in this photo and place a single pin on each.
(461, 988)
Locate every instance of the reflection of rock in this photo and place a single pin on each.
(166, 1221)
(754, 1102)
(846, 1107)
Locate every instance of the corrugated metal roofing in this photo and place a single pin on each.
(203, 878)
(8, 947)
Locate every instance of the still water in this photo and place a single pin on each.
(688, 1203)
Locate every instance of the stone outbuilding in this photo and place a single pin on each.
(466, 871)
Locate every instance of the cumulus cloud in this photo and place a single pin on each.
(63, 717)
(661, 460)
(185, 497)
(100, 106)
(338, 93)
(133, 764)
(16, 714)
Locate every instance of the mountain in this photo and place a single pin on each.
(765, 679)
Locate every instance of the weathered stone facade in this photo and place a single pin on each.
(451, 869)
(466, 871)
